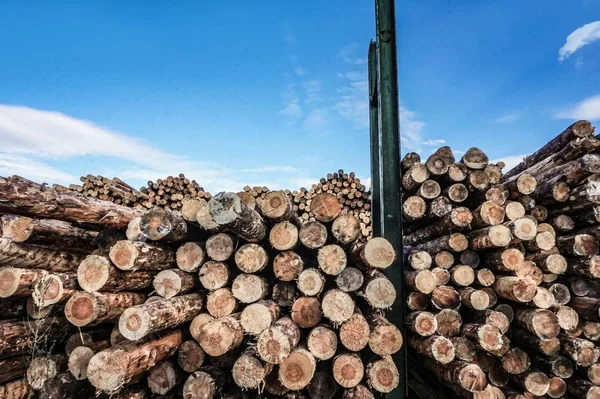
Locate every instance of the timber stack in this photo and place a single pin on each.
(220, 298)
(502, 270)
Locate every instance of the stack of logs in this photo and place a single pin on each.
(503, 271)
(348, 189)
(171, 192)
(113, 190)
(225, 298)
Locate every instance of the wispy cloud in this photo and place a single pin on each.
(32, 139)
(288, 36)
(312, 89)
(580, 37)
(434, 142)
(411, 129)
(317, 120)
(352, 54)
(586, 109)
(510, 161)
(292, 107)
(512, 117)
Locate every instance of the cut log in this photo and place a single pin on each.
(205, 219)
(474, 158)
(311, 282)
(442, 276)
(85, 308)
(204, 383)
(354, 332)
(414, 208)
(474, 299)
(421, 323)
(582, 389)
(385, 338)
(578, 245)
(313, 234)
(568, 318)
(457, 193)
(26, 256)
(220, 247)
(515, 288)
(529, 270)
(249, 288)
(190, 356)
(462, 275)
(54, 288)
(540, 322)
(230, 212)
(213, 275)
(332, 260)
(141, 320)
(515, 361)
(377, 253)
(80, 357)
(543, 299)
(48, 232)
(284, 236)
(276, 343)
(322, 342)
(222, 335)
(485, 278)
(587, 308)
(414, 177)
(464, 349)
(45, 368)
(592, 373)
(97, 273)
(477, 181)
(484, 336)
(322, 386)
(449, 322)
(559, 366)
(170, 283)
(436, 347)
(534, 382)
(277, 207)
(445, 297)
(466, 375)
(284, 294)
(549, 347)
(591, 330)
(557, 387)
(190, 208)
(561, 293)
(259, 316)
(249, 372)
(457, 220)
(325, 207)
(345, 229)
(378, 291)
(16, 282)
(581, 351)
(197, 323)
(490, 238)
(504, 259)
(296, 371)
(251, 258)
(163, 377)
(429, 190)
(136, 255)
(443, 259)
(523, 229)
(453, 243)
(190, 256)
(488, 214)
(23, 197)
(422, 281)
(420, 260)
(159, 224)
(348, 370)
(514, 210)
(134, 233)
(288, 265)
(549, 263)
(113, 368)
(409, 160)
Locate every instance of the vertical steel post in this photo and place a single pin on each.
(390, 178)
(374, 130)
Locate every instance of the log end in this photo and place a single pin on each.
(251, 258)
(78, 362)
(248, 372)
(322, 343)
(81, 309)
(313, 235)
(190, 356)
(190, 256)
(167, 284)
(325, 207)
(93, 273)
(40, 370)
(297, 370)
(385, 339)
(123, 255)
(348, 370)
(338, 306)
(354, 333)
(379, 253)
(9, 281)
(135, 323)
(256, 318)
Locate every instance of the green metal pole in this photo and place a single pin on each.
(374, 127)
(391, 200)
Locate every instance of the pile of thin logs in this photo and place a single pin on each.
(113, 190)
(347, 188)
(503, 271)
(225, 298)
(171, 192)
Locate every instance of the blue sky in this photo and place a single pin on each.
(275, 93)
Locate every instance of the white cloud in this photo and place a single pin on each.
(299, 71)
(29, 137)
(510, 160)
(292, 108)
(580, 37)
(411, 129)
(586, 109)
(513, 117)
(288, 36)
(317, 119)
(352, 54)
(434, 142)
(312, 89)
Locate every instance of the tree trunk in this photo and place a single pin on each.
(13, 368)
(222, 335)
(409, 160)
(559, 366)
(23, 197)
(231, 213)
(16, 282)
(170, 283)
(113, 368)
(436, 347)
(17, 389)
(322, 342)
(259, 316)
(19, 337)
(136, 255)
(453, 243)
(251, 258)
(445, 297)
(458, 219)
(474, 158)
(48, 232)
(141, 320)
(97, 273)
(85, 308)
(277, 342)
(190, 256)
(313, 235)
(348, 370)
(25, 256)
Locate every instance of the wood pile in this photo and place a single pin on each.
(225, 298)
(113, 190)
(502, 271)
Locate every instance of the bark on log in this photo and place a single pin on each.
(581, 351)
(54, 288)
(25, 256)
(414, 177)
(136, 255)
(543, 323)
(139, 321)
(578, 245)
(133, 232)
(385, 338)
(322, 386)
(438, 348)
(197, 323)
(458, 219)
(97, 273)
(549, 263)
(190, 356)
(18, 337)
(464, 349)
(233, 214)
(16, 282)
(276, 343)
(113, 368)
(587, 308)
(466, 375)
(445, 297)
(515, 288)
(85, 308)
(80, 357)
(549, 347)
(30, 199)
(516, 361)
(48, 232)
(490, 238)
(559, 366)
(453, 243)
(13, 368)
(45, 368)
(249, 372)
(206, 220)
(222, 335)
(582, 389)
